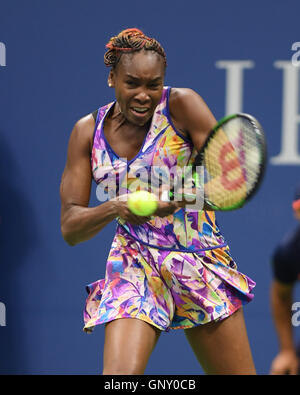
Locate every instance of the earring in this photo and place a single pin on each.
(109, 84)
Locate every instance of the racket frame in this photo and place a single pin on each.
(199, 159)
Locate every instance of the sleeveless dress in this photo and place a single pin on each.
(172, 272)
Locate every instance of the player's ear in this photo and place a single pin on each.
(111, 79)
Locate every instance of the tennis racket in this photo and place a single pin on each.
(231, 162)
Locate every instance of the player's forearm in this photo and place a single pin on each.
(82, 223)
(281, 308)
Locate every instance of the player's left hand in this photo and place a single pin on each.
(286, 362)
(166, 208)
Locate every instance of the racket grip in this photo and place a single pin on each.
(182, 196)
(189, 196)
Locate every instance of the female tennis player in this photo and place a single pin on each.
(172, 270)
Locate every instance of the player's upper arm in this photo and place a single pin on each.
(76, 180)
(283, 290)
(191, 114)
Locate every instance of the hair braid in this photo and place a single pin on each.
(130, 40)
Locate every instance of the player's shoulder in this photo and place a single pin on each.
(182, 94)
(83, 131)
(182, 99)
(85, 124)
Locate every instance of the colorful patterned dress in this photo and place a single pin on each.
(172, 272)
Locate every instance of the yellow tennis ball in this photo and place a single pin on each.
(142, 203)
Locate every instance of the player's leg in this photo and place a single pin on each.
(223, 347)
(128, 345)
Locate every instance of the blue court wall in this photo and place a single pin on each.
(52, 74)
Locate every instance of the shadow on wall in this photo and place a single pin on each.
(17, 238)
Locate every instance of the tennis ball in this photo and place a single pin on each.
(142, 203)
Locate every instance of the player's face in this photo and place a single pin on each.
(138, 80)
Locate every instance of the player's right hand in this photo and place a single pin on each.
(285, 363)
(126, 215)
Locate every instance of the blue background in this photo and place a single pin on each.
(54, 76)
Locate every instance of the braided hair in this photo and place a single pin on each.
(128, 41)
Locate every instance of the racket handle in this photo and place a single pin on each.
(192, 196)
(182, 196)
